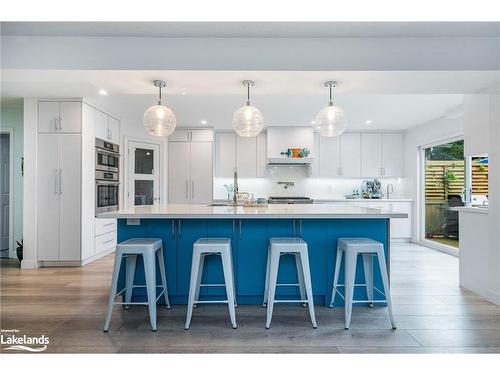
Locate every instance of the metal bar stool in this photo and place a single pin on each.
(130, 249)
(296, 246)
(201, 248)
(368, 247)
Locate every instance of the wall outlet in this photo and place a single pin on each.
(133, 221)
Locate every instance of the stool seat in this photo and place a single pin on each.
(149, 249)
(140, 244)
(202, 248)
(296, 246)
(360, 244)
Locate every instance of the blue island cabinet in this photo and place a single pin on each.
(249, 239)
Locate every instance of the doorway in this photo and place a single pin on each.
(143, 187)
(5, 194)
(444, 180)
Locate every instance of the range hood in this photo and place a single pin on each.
(282, 138)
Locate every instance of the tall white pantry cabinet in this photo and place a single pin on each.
(66, 223)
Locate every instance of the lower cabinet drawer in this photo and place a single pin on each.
(104, 226)
(105, 242)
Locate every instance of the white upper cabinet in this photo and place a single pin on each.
(225, 154)
(371, 154)
(316, 164)
(350, 155)
(201, 172)
(48, 117)
(191, 135)
(261, 154)
(101, 125)
(179, 172)
(57, 117)
(329, 157)
(246, 156)
(392, 154)
(114, 130)
(70, 117)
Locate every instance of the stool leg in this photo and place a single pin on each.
(234, 279)
(385, 281)
(368, 268)
(304, 258)
(150, 273)
(163, 274)
(350, 275)
(266, 287)
(273, 278)
(130, 262)
(300, 278)
(227, 267)
(112, 290)
(338, 261)
(195, 265)
(198, 280)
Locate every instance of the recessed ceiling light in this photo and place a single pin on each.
(183, 93)
(203, 122)
(103, 92)
(368, 122)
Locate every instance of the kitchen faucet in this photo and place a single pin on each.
(390, 189)
(235, 185)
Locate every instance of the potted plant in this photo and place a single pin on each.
(19, 250)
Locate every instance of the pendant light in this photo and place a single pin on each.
(248, 120)
(158, 119)
(331, 120)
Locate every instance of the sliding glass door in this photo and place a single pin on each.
(444, 183)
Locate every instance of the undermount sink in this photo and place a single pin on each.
(222, 204)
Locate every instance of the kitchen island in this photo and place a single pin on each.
(249, 228)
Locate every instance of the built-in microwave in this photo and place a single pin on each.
(107, 156)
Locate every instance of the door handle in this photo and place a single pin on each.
(187, 188)
(241, 233)
(180, 232)
(293, 225)
(300, 228)
(56, 123)
(233, 228)
(173, 229)
(60, 123)
(192, 189)
(60, 181)
(56, 181)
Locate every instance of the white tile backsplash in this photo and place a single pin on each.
(316, 188)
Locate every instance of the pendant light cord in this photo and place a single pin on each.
(248, 94)
(331, 96)
(159, 95)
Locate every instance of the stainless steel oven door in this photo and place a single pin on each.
(106, 196)
(106, 161)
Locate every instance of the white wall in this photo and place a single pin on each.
(441, 129)
(12, 118)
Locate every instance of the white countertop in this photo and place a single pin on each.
(276, 211)
(474, 210)
(363, 200)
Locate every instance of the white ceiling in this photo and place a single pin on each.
(255, 29)
(391, 100)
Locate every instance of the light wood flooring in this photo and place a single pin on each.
(434, 315)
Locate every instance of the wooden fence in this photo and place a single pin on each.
(437, 188)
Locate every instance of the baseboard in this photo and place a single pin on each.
(400, 240)
(60, 263)
(493, 296)
(98, 256)
(29, 264)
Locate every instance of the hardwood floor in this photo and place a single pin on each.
(433, 315)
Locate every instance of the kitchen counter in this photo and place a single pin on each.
(346, 200)
(473, 210)
(277, 211)
(249, 229)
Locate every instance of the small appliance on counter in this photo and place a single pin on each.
(371, 189)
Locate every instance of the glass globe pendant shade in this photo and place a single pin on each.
(159, 120)
(248, 121)
(331, 121)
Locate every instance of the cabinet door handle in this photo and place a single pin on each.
(56, 181)
(293, 225)
(233, 228)
(241, 232)
(60, 181)
(192, 189)
(56, 123)
(187, 188)
(300, 228)
(180, 231)
(339, 171)
(173, 229)
(60, 123)
(108, 241)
